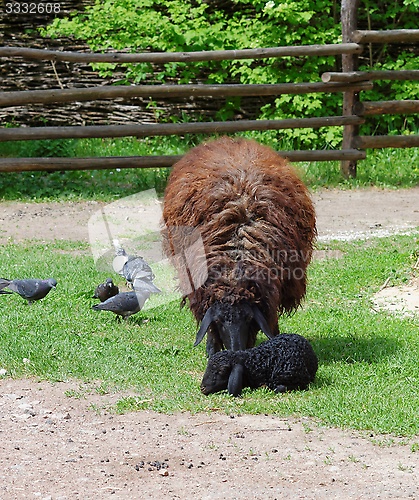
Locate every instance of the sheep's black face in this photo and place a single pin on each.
(216, 375)
(233, 326)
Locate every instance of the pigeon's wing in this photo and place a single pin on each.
(140, 285)
(137, 267)
(31, 289)
(28, 288)
(123, 302)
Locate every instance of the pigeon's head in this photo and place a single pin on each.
(52, 282)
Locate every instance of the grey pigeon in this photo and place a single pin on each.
(133, 268)
(124, 304)
(29, 289)
(106, 290)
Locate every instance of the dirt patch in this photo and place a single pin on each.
(343, 215)
(46, 221)
(403, 300)
(366, 213)
(58, 447)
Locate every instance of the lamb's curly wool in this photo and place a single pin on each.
(257, 224)
(284, 363)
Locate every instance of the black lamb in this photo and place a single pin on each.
(283, 363)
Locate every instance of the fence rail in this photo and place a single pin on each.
(360, 76)
(385, 141)
(150, 130)
(388, 36)
(349, 81)
(8, 99)
(165, 57)
(369, 108)
(53, 164)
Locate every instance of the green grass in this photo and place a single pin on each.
(383, 168)
(368, 375)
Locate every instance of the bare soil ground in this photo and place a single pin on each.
(53, 446)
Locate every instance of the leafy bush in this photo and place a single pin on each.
(181, 25)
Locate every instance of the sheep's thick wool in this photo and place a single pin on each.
(256, 220)
(284, 363)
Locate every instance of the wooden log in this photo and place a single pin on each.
(150, 130)
(359, 76)
(103, 163)
(323, 155)
(386, 141)
(9, 99)
(386, 108)
(387, 36)
(165, 57)
(349, 9)
(61, 164)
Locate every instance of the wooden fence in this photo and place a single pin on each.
(350, 82)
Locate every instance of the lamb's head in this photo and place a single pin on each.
(224, 371)
(232, 322)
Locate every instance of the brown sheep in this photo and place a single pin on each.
(257, 225)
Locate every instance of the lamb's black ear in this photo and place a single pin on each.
(261, 321)
(235, 381)
(205, 323)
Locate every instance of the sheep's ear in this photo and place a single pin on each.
(261, 321)
(205, 323)
(235, 381)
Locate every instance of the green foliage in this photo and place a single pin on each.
(387, 15)
(182, 25)
(47, 148)
(368, 373)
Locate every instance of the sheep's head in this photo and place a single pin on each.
(232, 322)
(223, 371)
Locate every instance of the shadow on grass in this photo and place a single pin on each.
(353, 350)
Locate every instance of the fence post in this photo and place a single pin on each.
(349, 11)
